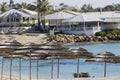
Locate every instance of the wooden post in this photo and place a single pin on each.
(78, 67)
(105, 69)
(2, 65)
(19, 68)
(37, 68)
(30, 65)
(10, 67)
(58, 71)
(52, 68)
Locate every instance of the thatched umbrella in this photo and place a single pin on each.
(9, 56)
(80, 53)
(106, 57)
(9, 46)
(54, 50)
(5, 48)
(26, 49)
(20, 53)
(36, 56)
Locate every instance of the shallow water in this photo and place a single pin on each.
(68, 66)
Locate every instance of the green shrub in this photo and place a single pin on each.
(116, 32)
(108, 32)
(102, 33)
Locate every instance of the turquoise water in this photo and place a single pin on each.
(68, 66)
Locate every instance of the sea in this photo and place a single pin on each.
(68, 66)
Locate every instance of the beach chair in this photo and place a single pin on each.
(81, 75)
(20, 30)
(84, 75)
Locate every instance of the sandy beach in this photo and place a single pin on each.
(25, 38)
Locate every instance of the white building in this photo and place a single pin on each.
(86, 23)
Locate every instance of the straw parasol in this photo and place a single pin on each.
(106, 57)
(9, 46)
(26, 49)
(80, 53)
(20, 53)
(5, 48)
(36, 56)
(54, 50)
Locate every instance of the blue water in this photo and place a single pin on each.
(68, 66)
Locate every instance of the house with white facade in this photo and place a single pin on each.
(85, 23)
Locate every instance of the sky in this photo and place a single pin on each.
(78, 3)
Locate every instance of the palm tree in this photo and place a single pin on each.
(31, 7)
(11, 4)
(42, 7)
(3, 6)
(17, 6)
(24, 5)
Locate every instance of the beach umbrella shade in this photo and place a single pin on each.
(106, 57)
(26, 49)
(36, 56)
(25, 55)
(80, 53)
(5, 48)
(9, 46)
(21, 52)
(54, 50)
(15, 56)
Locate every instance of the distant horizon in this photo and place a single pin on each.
(94, 3)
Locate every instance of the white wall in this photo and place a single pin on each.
(88, 32)
(110, 26)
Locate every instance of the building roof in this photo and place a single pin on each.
(105, 14)
(13, 13)
(71, 12)
(82, 18)
(28, 11)
(108, 16)
(70, 16)
(59, 15)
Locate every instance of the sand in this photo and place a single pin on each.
(108, 78)
(25, 38)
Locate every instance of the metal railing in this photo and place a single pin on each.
(67, 28)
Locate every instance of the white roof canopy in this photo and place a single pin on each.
(59, 15)
(29, 11)
(82, 18)
(13, 14)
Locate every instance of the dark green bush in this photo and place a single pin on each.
(108, 32)
(116, 32)
(102, 33)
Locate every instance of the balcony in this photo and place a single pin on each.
(79, 30)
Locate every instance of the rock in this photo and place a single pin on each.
(65, 38)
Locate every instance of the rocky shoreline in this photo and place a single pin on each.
(66, 38)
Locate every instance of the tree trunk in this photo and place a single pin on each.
(44, 22)
(39, 26)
